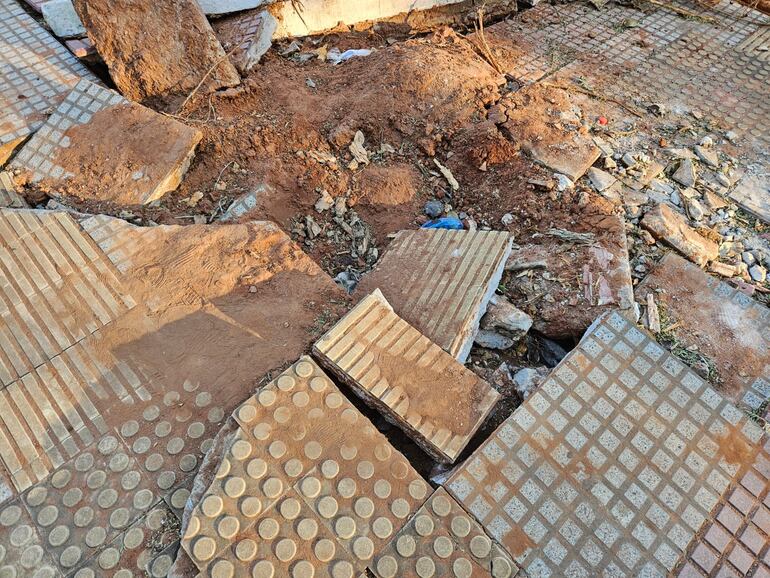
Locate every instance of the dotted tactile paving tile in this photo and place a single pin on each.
(243, 204)
(396, 368)
(612, 467)
(288, 540)
(119, 240)
(86, 503)
(451, 540)
(9, 198)
(56, 287)
(299, 433)
(22, 553)
(37, 72)
(446, 309)
(737, 540)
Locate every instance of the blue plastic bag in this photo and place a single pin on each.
(444, 223)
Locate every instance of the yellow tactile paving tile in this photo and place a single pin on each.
(411, 380)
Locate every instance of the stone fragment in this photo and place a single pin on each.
(707, 155)
(575, 490)
(246, 203)
(37, 74)
(157, 50)
(527, 379)
(600, 180)
(61, 17)
(685, 173)
(503, 315)
(324, 202)
(758, 273)
(443, 540)
(399, 371)
(493, 340)
(219, 7)
(446, 304)
(246, 37)
(671, 227)
(694, 209)
(723, 269)
(83, 131)
(717, 320)
(752, 193)
(9, 198)
(434, 209)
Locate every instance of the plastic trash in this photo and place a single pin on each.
(336, 57)
(444, 223)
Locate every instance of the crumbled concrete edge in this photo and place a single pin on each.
(174, 178)
(473, 327)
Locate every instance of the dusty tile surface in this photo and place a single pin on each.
(613, 466)
(82, 131)
(411, 380)
(446, 305)
(732, 329)
(110, 397)
(310, 476)
(443, 540)
(37, 73)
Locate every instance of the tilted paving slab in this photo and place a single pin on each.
(301, 453)
(441, 281)
(113, 389)
(442, 539)
(155, 150)
(412, 381)
(613, 466)
(752, 193)
(729, 327)
(9, 198)
(246, 37)
(37, 73)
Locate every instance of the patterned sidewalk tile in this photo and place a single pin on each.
(302, 447)
(37, 73)
(613, 466)
(445, 306)
(412, 381)
(9, 198)
(22, 552)
(67, 140)
(443, 540)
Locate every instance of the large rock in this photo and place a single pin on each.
(155, 49)
(668, 225)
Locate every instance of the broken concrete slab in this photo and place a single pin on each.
(218, 7)
(309, 475)
(246, 37)
(718, 321)
(446, 305)
(109, 395)
(613, 466)
(37, 73)
(565, 286)
(9, 198)
(502, 315)
(442, 539)
(245, 203)
(752, 193)
(61, 17)
(669, 226)
(76, 146)
(184, 52)
(600, 180)
(413, 382)
(556, 141)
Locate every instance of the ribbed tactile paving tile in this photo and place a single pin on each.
(613, 466)
(299, 437)
(450, 538)
(411, 380)
(9, 198)
(440, 281)
(37, 72)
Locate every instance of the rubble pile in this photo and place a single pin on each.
(343, 289)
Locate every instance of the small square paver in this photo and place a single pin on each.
(730, 518)
(447, 305)
(411, 380)
(155, 150)
(753, 539)
(741, 558)
(705, 557)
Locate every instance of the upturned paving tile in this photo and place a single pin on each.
(613, 466)
(729, 327)
(70, 138)
(441, 281)
(301, 450)
(443, 540)
(37, 73)
(9, 198)
(411, 380)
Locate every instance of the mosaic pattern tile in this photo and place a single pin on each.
(246, 37)
(44, 156)
(613, 466)
(447, 306)
(731, 328)
(37, 73)
(411, 380)
(300, 441)
(443, 540)
(9, 198)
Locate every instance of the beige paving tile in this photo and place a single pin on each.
(440, 281)
(443, 540)
(412, 381)
(9, 198)
(300, 438)
(613, 466)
